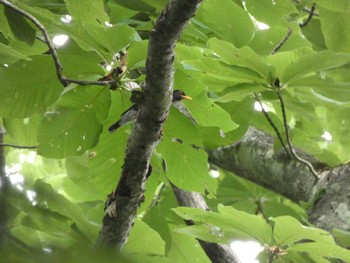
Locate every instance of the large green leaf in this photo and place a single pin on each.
(265, 41)
(227, 20)
(144, 239)
(224, 226)
(339, 5)
(21, 29)
(214, 71)
(23, 131)
(322, 250)
(97, 171)
(28, 87)
(105, 41)
(187, 168)
(329, 89)
(209, 114)
(271, 12)
(179, 247)
(75, 123)
(314, 62)
(288, 230)
(58, 203)
(87, 11)
(244, 57)
(335, 28)
(8, 55)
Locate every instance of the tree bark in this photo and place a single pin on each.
(216, 252)
(254, 158)
(146, 133)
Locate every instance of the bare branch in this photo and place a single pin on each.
(216, 252)
(279, 136)
(48, 41)
(289, 33)
(308, 10)
(17, 146)
(280, 44)
(286, 128)
(59, 68)
(311, 14)
(146, 132)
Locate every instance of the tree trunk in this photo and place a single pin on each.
(254, 158)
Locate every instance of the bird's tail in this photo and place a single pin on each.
(114, 126)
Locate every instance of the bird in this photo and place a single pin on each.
(131, 113)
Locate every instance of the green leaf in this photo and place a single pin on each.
(87, 11)
(144, 239)
(228, 21)
(226, 225)
(58, 203)
(21, 29)
(322, 250)
(216, 72)
(239, 92)
(75, 123)
(8, 55)
(271, 12)
(342, 237)
(28, 87)
(137, 53)
(339, 5)
(110, 39)
(208, 114)
(23, 131)
(243, 57)
(97, 172)
(335, 28)
(179, 247)
(314, 62)
(188, 168)
(288, 230)
(265, 41)
(328, 88)
(281, 60)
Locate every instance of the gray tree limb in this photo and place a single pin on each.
(146, 132)
(216, 252)
(254, 158)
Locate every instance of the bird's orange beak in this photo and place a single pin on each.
(186, 97)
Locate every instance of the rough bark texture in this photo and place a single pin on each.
(146, 132)
(254, 158)
(216, 252)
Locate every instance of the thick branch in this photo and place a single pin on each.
(254, 158)
(146, 132)
(216, 252)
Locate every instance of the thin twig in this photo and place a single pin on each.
(286, 128)
(48, 41)
(59, 68)
(280, 44)
(279, 136)
(311, 14)
(17, 146)
(91, 82)
(308, 10)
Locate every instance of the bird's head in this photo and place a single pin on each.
(180, 95)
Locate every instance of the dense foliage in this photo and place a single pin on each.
(223, 59)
